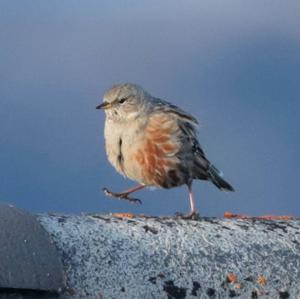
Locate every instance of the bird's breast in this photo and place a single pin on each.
(120, 140)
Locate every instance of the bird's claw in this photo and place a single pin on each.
(122, 196)
(189, 216)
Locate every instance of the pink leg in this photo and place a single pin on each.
(134, 189)
(193, 213)
(192, 201)
(124, 194)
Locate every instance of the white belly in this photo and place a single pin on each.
(121, 142)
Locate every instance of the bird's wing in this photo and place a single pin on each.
(173, 134)
(164, 106)
(192, 152)
(186, 123)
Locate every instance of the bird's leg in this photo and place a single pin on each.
(193, 213)
(124, 194)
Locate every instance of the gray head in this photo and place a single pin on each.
(125, 102)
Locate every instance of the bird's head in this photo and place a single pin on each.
(124, 102)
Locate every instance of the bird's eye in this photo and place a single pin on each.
(121, 101)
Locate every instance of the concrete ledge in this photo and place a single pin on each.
(108, 257)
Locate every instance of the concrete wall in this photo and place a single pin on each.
(108, 257)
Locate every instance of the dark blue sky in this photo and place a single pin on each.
(234, 65)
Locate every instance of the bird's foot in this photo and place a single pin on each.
(190, 216)
(121, 195)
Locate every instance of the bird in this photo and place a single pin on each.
(155, 143)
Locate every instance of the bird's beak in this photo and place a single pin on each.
(104, 105)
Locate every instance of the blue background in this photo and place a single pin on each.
(234, 64)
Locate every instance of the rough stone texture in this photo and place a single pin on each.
(28, 257)
(107, 257)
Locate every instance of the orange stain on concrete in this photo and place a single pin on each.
(231, 278)
(262, 280)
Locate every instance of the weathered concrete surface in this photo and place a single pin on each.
(107, 257)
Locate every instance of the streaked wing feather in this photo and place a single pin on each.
(170, 108)
(191, 155)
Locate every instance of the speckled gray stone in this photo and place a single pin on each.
(108, 257)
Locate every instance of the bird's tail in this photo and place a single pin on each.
(216, 177)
